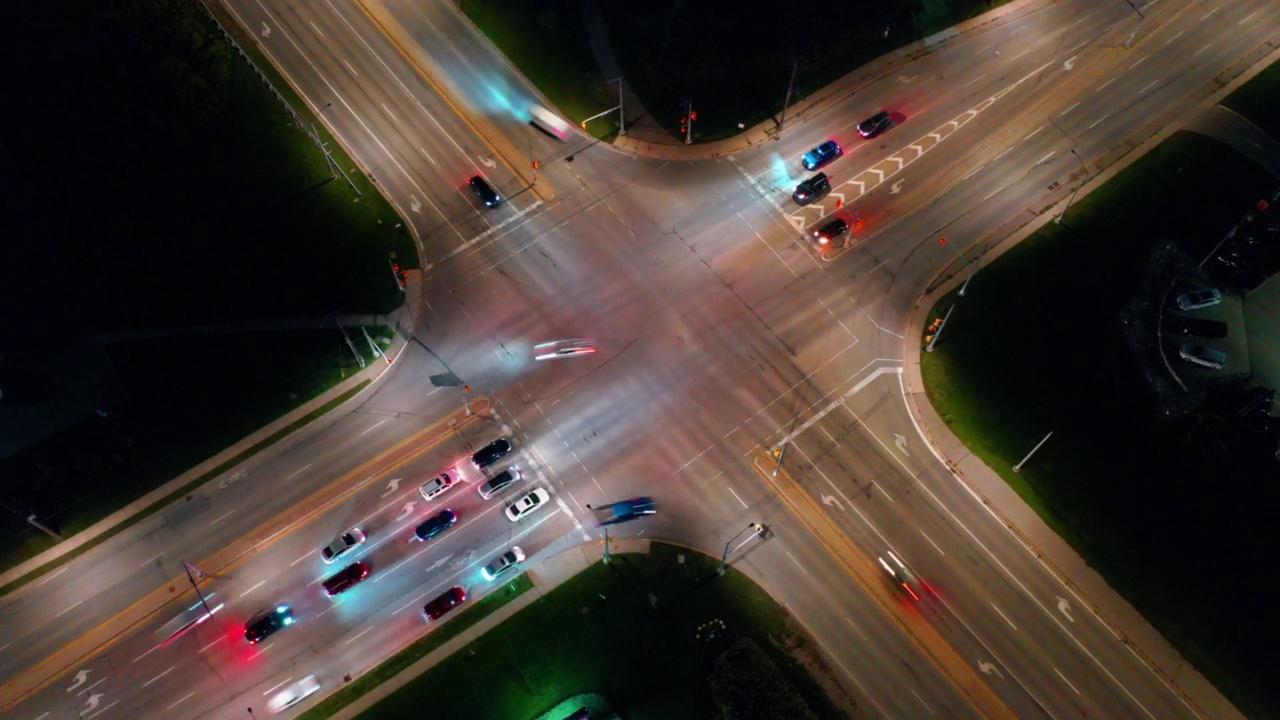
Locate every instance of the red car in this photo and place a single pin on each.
(448, 600)
(346, 577)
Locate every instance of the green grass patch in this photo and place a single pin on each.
(735, 66)
(1036, 346)
(187, 399)
(599, 633)
(549, 42)
(389, 668)
(33, 548)
(1259, 100)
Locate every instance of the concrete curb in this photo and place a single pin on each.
(374, 372)
(546, 575)
(1085, 584)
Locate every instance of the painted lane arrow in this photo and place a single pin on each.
(406, 512)
(392, 486)
(81, 677)
(831, 501)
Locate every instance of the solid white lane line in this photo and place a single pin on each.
(735, 495)
(215, 642)
(255, 587)
(1064, 677)
(349, 68)
(51, 577)
(166, 672)
(1103, 85)
(1140, 61)
(855, 627)
(357, 637)
(1095, 122)
(1006, 618)
(153, 557)
(431, 160)
(64, 612)
(222, 517)
(925, 704)
(931, 542)
(1150, 85)
(275, 687)
(824, 432)
(316, 27)
(887, 496)
(797, 562)
(375, 427)
(299, 471)
(1064, 112)
(184, 699)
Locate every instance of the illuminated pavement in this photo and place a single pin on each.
(722, 333)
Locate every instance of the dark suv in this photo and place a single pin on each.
(491, 453)
(345, 578)
(828, 233)
(811, 188)
(875, 124)
(267, 624)
(436, 524)
(485, 192)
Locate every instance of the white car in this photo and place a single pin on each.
(563, 349)
(342, 545)
(1203, 356)
(535, 499)
(294, 694)
(437, 485)
(1197, 299)
(503, 563)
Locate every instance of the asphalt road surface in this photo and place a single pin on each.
(723, 334)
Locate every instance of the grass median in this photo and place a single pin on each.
(1036, 346)
(600, 633)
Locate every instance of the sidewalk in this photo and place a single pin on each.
(1084, 584)
(1226, 125)
(647, 142)
(401, 321)
(546, 575)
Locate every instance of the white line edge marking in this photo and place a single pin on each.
(166, 672)
(1064, 677)
(184, 699)
(1006, 617)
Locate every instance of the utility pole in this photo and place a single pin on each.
(686, 122)
(787, 100)
(32, 519)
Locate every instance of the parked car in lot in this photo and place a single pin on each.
(811, 188)
(1203, 356)
(266, 624)
(294, 694)
(821, 155)
(527, 503)
(1212, 329)
(345, 579)
(436, 524)
(1197, 299)
(341, 545)
(443, 603)
(499, 482)
(491, 453)
(437, 485)
(875, 124)
(504, 563)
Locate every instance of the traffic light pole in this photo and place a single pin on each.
(689, 117)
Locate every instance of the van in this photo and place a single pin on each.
(549, 122)
(1203, 356)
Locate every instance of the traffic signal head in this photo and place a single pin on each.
(693, 116)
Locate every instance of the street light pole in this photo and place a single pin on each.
(187, 567)
(787, 100)
(622, 117)
(724, 559)
(972, 269)
(1058, 220)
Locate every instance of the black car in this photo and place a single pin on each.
(811, 188)
(491, 453)
(436, 524)
(1212, 329)
(448, 600)
(345, 578)
(485, 192)
(265, 625)
(828, 233)
(875, 124)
